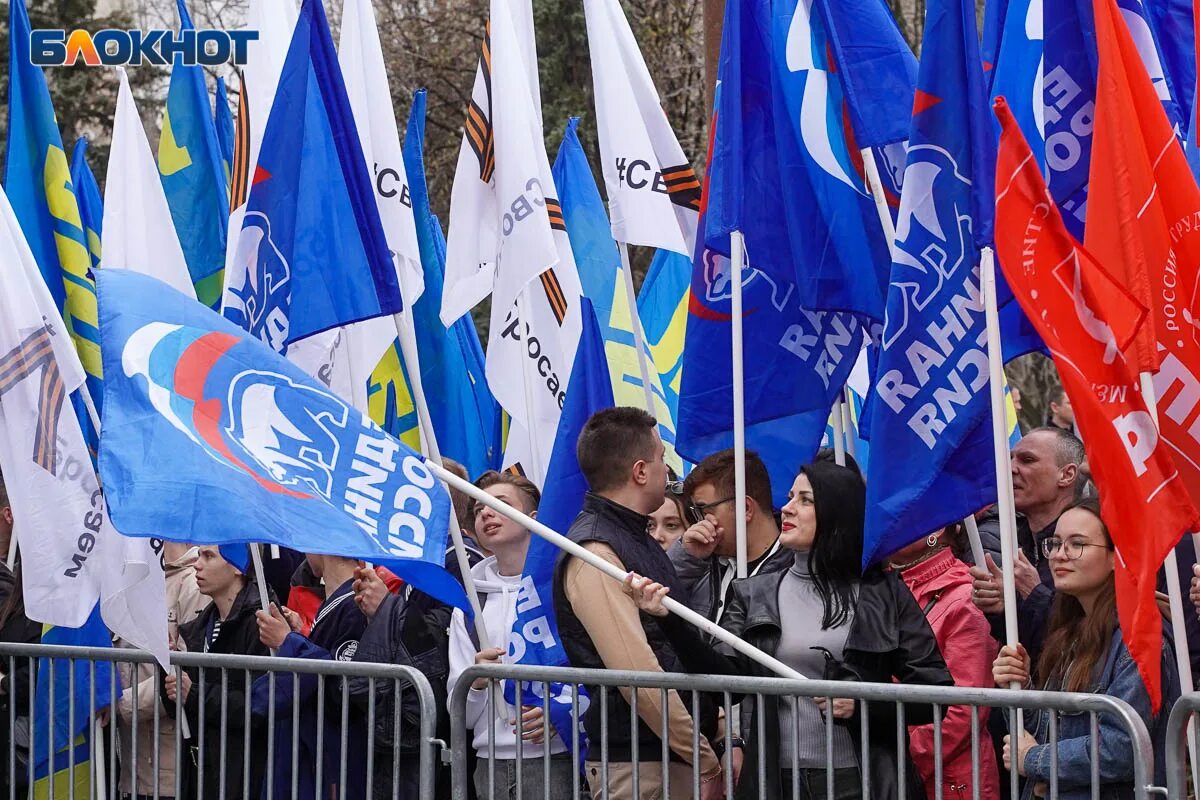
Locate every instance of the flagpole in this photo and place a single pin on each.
(563, 543)
(838, 421)
(737, 257)
(889, 232)
(1008, 519)
(639, 338)
(11, 561)
(1183, 660)
(848, 423)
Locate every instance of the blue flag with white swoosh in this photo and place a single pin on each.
(210, 436)
(311, 252)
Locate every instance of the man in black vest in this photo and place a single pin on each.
(621, 457)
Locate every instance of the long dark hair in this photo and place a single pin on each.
(1077, 642)
(835, 561)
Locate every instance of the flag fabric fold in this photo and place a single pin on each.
(203, 418)
(139, 233)
(87, 194)
(311, 253)
(1087, 317)
(662, 304)
(193, 174)
(223, 122)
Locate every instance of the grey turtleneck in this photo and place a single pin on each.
(801, 610)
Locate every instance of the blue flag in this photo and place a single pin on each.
(602, 276)
(70, 686)
(1012, 50)
(311, 254)
(663, 306)
(930, 415)
(87, 194)
(1174, 23)
(994, 14)
(211, 437)
(535, 631)
(223, 121)
(37, 180)
(785, 169)
(877, 68)
(193, 176)
(466, 418)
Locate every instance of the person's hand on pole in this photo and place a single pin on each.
(532, 726)
(701, 540)
(273, 628)
(843, 707)
(647, 594)
(1011, 666)
(1195, 592)
(491, 655)
(987, 587)
(1025, 742)
(177, 691)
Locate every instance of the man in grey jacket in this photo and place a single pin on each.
(705, 558)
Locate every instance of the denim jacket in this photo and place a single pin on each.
(1118, 678)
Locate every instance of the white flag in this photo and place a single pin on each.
(139, 233)
(500, 237)
(653, 193)
(72, 557)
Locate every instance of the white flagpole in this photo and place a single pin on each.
(848, 423)
(563, 543)
(1183, 661)
(1008, 519)
(11, 561)
(889, 233)
(737, 257)
(839, 433)
(639, 338)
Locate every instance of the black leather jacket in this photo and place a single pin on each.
(889, 639)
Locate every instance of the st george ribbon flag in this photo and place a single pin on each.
(210, 436)
(72, 556)
(1142, 209)
(535, 638)
(653, 193)
(786, 170)
(1086, 318)
(193, 173)
(930, 425)
(139, 233)
(311, 253)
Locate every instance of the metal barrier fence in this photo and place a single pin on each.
(1177, 728)
(381, 717)
(657, 770)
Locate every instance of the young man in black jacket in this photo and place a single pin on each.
(218, 713)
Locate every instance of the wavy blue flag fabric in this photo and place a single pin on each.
(535, 638)
(193, 175)
(994, 14)
(71, 684)
(223, 120)
(209, 436)
(466, 417)
(311, 253)
(1174, 22)
(1015, 52)
(930, 427)
(796, 362)
(87, 194)
(877, 67)
(785, 169)
(662, 304)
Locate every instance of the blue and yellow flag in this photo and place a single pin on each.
(662, 304)
(223, 120)
(38, 183)
(63, 685)
(193, 176)
(87, 194)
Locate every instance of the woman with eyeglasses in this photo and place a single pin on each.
(1084, 651)
(668, 523)
(839, 624)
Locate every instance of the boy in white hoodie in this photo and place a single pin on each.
(498, 582)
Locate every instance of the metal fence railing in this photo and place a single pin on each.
(730, 691)
(251, 727)
(1178, 723)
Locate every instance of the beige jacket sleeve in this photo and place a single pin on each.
(612, 621)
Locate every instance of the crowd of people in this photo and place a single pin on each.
(926, 615)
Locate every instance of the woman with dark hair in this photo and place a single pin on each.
(840, 624)
(1084, 651)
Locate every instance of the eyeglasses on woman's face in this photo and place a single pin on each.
(1072, 548)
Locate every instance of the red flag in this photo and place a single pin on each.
(1144, 212)
(1087, 318)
